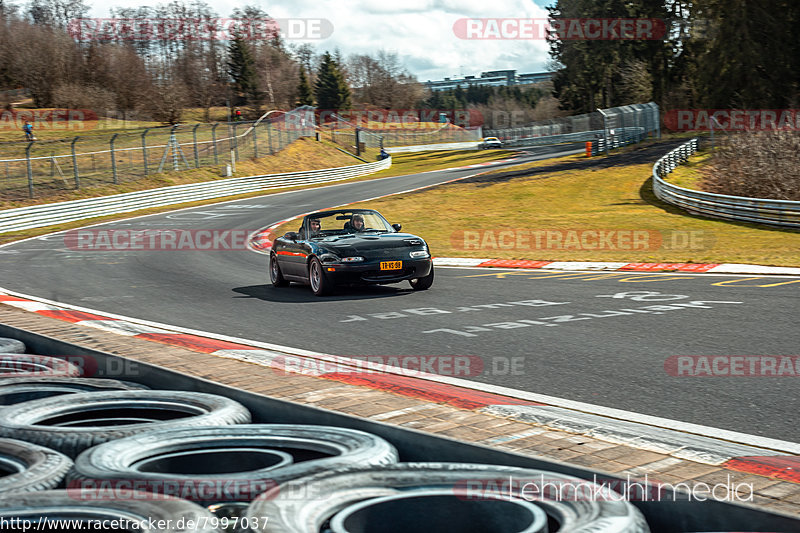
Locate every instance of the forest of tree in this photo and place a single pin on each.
(715, 54)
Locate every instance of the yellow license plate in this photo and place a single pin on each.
(391, 265)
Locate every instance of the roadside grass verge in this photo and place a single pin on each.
(618, 197)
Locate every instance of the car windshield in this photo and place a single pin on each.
(346, 222)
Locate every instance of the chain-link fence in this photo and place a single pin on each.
(33, 168)
(611, 128)
(366, 142)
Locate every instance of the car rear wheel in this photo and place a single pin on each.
(424, 283)
(316, 277)
(275, 274)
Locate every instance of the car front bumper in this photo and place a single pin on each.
(370, 272)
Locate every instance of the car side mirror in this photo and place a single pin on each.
(291, 235)
(397, 227)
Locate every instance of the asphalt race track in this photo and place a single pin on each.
(596, 337)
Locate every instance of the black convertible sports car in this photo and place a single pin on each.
(349, 246)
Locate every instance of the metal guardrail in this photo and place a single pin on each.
(38, 216)
(783, 213)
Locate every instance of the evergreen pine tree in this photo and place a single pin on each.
(331, 89)
(241, 68)
(304, 96)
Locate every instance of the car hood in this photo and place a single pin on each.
(368, 244)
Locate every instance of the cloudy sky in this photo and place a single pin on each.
(419, 31)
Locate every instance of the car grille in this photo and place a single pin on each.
(384, 275)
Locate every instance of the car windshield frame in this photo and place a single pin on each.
(339, 223)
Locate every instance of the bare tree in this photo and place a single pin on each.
(56, 13)
(383, 81)
(44, 59)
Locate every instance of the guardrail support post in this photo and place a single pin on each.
(75, 163)
(113, 157)
(30, 169)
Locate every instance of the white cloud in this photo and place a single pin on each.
(419, 31)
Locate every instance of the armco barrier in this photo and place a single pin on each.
(38, 216)
(665, 515)
(783, 213)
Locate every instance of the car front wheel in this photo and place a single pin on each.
(320, 284)
(421, 284)
(275, 274)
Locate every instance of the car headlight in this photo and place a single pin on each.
(420, 254)
(353, 259)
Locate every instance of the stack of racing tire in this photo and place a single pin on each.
(77, 449)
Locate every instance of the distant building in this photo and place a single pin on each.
(492, 78)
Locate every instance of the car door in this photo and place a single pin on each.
(292, 254)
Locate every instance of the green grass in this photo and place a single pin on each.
(690, 174)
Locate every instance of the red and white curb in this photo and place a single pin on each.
(710, 268)
(702, 444)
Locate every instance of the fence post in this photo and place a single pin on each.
(605, 131)
(30, 169)
(235, 143)
(269, 138)
(214, 142)
(657, 120)
(113, 158)
(75, 163)
(174, 147)
(144, 150)
(194, 140)
(255, 141)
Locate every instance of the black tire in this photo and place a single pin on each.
(26, 467)
(73, 422)
(239, 455)
(21, 389)
(30, 365)
(137, 511)
(320, 284)
(422, 284)
(275, 274)
(11, 345)
(307, 503)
